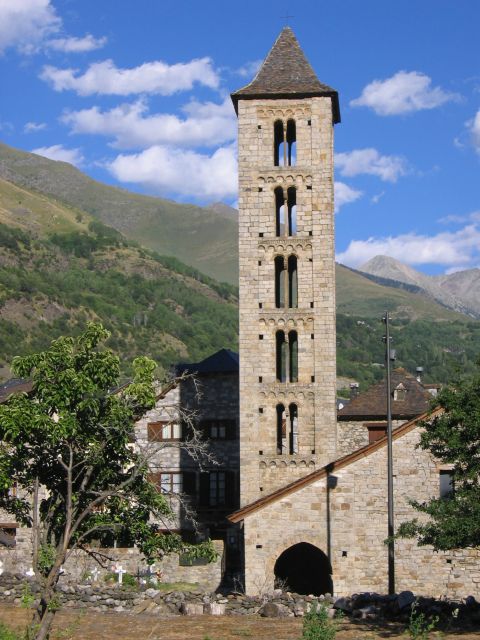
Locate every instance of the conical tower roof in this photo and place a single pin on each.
(286, 73)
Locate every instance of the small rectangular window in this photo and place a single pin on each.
(310, 233)
(260, 378)
(260, 189)
(312, 336)
(171, 483)
(259, 126)
(312, 378)
(260, 337)
(309, 122)
(311, 305)
(8, 537)
(260, 305)
(260, 235)
(446, 484)
(260, 409)
(309, 187)
(259, 263)
(163, 430)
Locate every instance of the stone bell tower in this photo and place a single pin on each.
(287, 271)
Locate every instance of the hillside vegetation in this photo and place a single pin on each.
(60, 266)
(151, 304)
(205, 238)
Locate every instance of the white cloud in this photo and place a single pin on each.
(404, 92)
(369, 161)
(29, 26)
(25, 23)
(151, 77)
(60, 153)
(76, 45)
(33, 127)
(377, 197)
(461, 247)
(249, 69)
(344, 195)
(183, 172)
(474, 128)
(206, 124)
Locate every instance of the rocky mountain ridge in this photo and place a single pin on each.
(459, 291)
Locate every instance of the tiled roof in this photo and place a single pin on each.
(223, 361)
(372, 404)
(14, 385)
(286, 73)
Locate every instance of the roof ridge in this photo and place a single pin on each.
(344, 461)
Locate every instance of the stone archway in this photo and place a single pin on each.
(304, 569)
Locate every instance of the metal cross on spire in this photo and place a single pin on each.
(286, 18)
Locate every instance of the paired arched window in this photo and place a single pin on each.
(286, 356)
(284, 143)
(287, 429)
(286, 282)
(285, 212)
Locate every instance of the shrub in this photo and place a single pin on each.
(317, 625)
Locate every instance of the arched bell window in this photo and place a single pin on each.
(292, 211)
(281, 430)
(293, 428)
(279, 282)
(291, 140)
(292, 282)
(293, 356)
(284, 143)
(279, 212)
(281, 356)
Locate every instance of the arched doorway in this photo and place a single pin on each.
(304, 569)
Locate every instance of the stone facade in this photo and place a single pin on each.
(313, 320)
(343, 512)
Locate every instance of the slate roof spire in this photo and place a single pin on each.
(286, 73)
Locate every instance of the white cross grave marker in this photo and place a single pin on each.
(152, 574)
(30, 573)
(120, 571)
(94, 573)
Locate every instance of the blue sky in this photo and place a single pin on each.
(137, 94)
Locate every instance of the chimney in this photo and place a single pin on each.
(353, 390)
(419, 371)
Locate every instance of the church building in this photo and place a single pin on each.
(314, 518)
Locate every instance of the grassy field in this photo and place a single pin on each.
(80, 625)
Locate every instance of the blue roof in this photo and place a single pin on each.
(223, 361)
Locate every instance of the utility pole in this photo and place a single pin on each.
(391, 542)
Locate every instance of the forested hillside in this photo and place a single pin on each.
(152, 305)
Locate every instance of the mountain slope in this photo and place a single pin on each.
(459, 291)
(358, 295)
(202, 237)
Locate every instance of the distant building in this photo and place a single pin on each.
(363, 419)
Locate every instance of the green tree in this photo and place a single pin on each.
(66, 448)
(453, 437)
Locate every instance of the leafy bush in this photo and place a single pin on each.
(317, 624)
(6, 633)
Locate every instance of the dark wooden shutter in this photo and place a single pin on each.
(189, 482)
(230, 489)
(154, 478)
(204, 500)
(230, 429)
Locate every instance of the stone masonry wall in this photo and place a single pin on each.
(314, 319)
(350, 520)
(80, 565)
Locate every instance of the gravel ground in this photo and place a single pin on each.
(79, 625)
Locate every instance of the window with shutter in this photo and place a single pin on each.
(163, 430)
